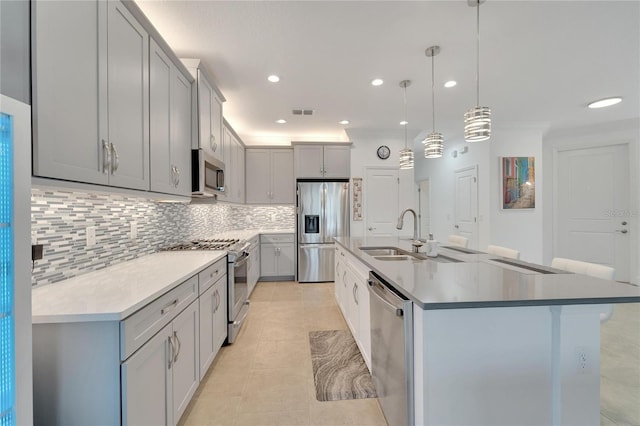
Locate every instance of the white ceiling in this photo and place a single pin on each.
(541, 62)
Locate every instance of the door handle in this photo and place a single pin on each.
(371, 228)
(624, 222)
(175, 358)
(456, 226)
(106, 157)
(116, 159)
(170, 349)
(622, 231)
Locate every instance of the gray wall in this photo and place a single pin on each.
(14, 49)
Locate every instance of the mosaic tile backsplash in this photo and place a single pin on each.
(59, 221)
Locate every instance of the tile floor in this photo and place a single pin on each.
(265, 378)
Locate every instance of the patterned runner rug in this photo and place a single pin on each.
(339, 371)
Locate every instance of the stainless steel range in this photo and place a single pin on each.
(237, 256)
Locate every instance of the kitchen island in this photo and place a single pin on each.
(498, 343)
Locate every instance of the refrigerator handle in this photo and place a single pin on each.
(323, 209)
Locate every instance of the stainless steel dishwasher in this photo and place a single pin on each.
(392, 351)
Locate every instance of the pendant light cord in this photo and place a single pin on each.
(478, 55)
(405, 116)
(433, 92)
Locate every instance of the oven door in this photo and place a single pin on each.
(238, 291)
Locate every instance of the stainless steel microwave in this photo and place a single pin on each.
(207, 174)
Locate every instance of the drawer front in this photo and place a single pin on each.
(142, 325)
(276, 238)
(212, 274)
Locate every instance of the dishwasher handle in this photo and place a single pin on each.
(391, 301)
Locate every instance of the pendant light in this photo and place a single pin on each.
(406, 154)
(434, 142)
(477, 121)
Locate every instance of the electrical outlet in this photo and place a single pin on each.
(91, 236)
(583, 360)
(133, 234)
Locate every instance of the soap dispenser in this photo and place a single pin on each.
(432, 247)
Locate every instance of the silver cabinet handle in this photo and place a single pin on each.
(116, 159)
(371, 228)
(212, 143)
(171, 349)
(355, 293)
(622, 231)
(168, 305)
(177, 176)
(456, 226)
(175, 358)
(106, 157)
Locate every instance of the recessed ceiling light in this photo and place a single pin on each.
(605, 102)
(281, 121)
(404, 122)
(273, 78)
(344, 122)
(377, 82)
(450, 83)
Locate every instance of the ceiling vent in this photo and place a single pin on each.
(302, 111)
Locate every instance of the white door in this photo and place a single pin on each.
(466, 205)
(381, 202)
(593, 207)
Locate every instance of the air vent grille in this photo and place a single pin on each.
(299, 111)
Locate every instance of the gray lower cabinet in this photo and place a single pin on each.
(277, 256)
(213, 318)
(253, 268)
(170, 125)
(142, 370)
(90, 93)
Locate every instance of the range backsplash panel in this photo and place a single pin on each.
(59, 221)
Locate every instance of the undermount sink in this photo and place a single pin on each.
(384, 251)
(392, 257)
(395, 253)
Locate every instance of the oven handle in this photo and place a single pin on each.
(241, 260)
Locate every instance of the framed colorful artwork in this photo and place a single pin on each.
(518, 179)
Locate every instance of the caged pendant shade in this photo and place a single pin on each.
(434, 142)
(406, 154)
(477, 120)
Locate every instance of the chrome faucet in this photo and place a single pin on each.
(416, 243)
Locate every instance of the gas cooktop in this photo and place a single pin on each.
(214, 244)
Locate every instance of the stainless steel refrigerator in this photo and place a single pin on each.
(323, 213)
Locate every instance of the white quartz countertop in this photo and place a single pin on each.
(115, 292)
(478, 280)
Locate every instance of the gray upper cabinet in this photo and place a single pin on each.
(66, 144)
(14, 50)
(234, 165)
(209, 106)
(90, 93)
(170, 124)
(127, 99)
(269, 176)
(322, 160)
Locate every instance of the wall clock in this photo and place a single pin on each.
(383, 152)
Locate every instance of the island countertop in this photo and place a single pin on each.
(481, 280)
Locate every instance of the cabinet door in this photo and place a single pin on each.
(364, 321)
(147, 382)
(285, 257)
(216, 126)
(66, 142)
(240, 173)
(205, 124)
(220, 314)
(308, 161)
(258, 176)
(181, 131)
(229, 166)
(268, 260)
(351, 296)
(207, 302)
(282, 181)
(337, 161)
(186, 374)
(160, 112)
(128, 98)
